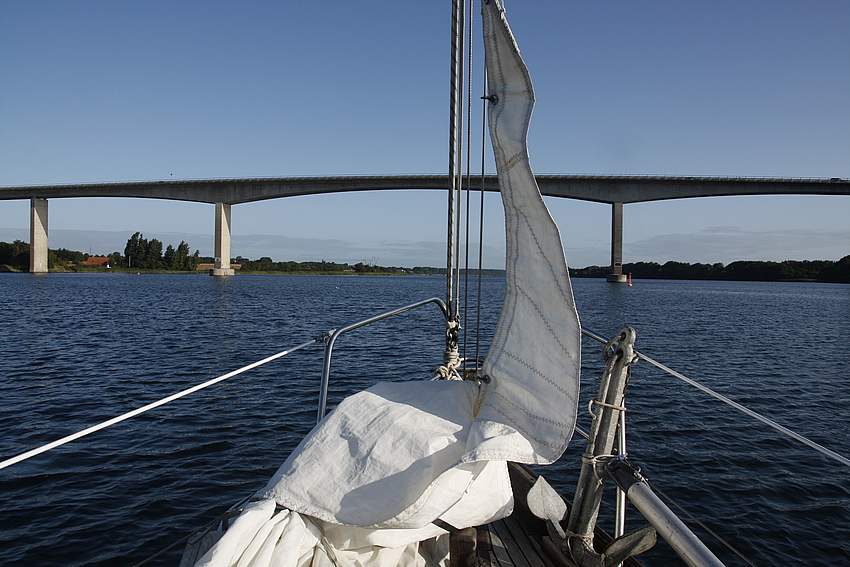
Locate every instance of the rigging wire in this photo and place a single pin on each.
(701, 524)
(452, 182)
(467, 188)
(462, 78)
(88, 431)
(481, 218)
(468, 185)
(751, 413)
(782, 429)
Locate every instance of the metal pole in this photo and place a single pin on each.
(620, 520)
(666, 523)
(331, 336)
(671, 528)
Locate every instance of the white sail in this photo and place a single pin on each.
(392, 465)
(534, 361)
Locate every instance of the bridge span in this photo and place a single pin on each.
(598, 188)
(614, 190)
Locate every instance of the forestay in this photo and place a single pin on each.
(396, 464)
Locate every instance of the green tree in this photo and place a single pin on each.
(142, 253)
(836, 272)
(70, 255)
(193, 261)
(134, 251)
(153, 254)
(182, 260)
(15, 254)
(169, 259)
(748, 270)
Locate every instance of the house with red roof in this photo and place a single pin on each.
(97, 261)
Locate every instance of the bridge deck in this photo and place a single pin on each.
(601, 189)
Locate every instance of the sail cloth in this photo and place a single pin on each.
(534, 360)
(391, 456)
(393, 463)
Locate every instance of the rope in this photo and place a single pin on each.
(231, 512)
(782, 429)
(748, 411)
(596, 402)
(581, 432)
(594, 462)
(568, 534)
(448, 372)
(141, 410)
(166, 550)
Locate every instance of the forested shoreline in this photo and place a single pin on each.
(744, 270)
(141, 254)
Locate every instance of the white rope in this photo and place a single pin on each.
(748, 411)
(829, 453)
(596, 402)
(135, 412)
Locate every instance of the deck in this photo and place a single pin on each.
(521, 539)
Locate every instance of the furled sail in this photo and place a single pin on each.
(534, 361)
(399, 462)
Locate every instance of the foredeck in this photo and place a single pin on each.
(506, 543)
(521, 539)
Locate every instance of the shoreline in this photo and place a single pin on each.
(4, 269)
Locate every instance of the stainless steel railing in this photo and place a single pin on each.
(331, 336)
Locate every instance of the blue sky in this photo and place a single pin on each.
(94, 91)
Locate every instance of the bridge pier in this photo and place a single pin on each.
(222, 241)
(38, 235)
(616, 275)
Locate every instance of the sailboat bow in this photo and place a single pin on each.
(404, 462)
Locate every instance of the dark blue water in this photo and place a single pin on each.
(79, 349)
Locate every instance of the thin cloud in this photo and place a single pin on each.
(728, 244)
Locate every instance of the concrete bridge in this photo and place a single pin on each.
(615, 190)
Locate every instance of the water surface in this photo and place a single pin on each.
(81, 348)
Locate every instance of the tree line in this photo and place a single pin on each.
(745, 270)
(266, 264)
(147, 254)
(141, 253)
(15, 256)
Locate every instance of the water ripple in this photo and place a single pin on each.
(84, 348)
